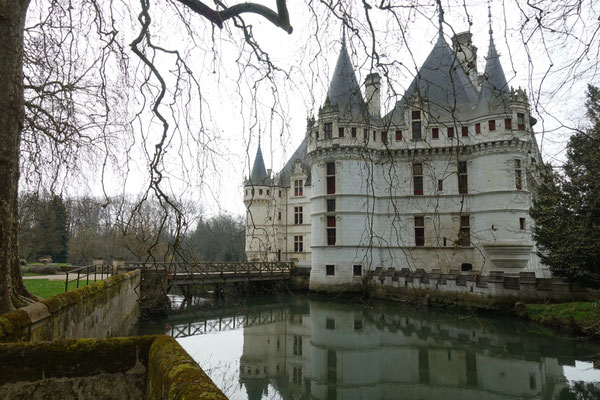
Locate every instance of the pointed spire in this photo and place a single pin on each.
(440, 17)
(344, 90)
(344, 36)
(491, 31)
(494, 75)
(258, 175)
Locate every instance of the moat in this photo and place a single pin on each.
(300, 347)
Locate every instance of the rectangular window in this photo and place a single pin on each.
(259, 191)
(463, 181)
(508, 124)
(297, 377)
(365, 135)
(297, 345)
(298, 244)
(341, 132)
(520, 121)
(280, 193)
(252, 192)
(330, 177)
(440, 185)
(492, 125)
(465, 131)
(477, 129)
(416, 125)
(353, 131)
(522, 224)
(330, 205)
(298, 188)
(358, 324)
(331, 230)
(357, 270)
(279, 216)
(298, 216)
(435, 133)
(464, 234)
(330, 322)
(374, 136)
(398, 136)
(419, 231)
(451, 132)
(384, 137)
(417, 179)
(518, 175)
(330, 270)
(328, 128)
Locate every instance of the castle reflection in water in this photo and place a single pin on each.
(325, 350)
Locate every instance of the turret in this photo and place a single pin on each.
(372, 86)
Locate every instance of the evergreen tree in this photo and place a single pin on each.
(567, 207)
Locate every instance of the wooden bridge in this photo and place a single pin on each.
(218, 272)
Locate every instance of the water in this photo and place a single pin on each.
(301, 348)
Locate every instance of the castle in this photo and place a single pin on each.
(443, 181)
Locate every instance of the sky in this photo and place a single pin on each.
(216, 117)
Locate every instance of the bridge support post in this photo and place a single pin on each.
(153, 293)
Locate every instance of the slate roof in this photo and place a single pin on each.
(442, 81)
(258, 176)
(344, 90)
(288, 169)
(493, 96)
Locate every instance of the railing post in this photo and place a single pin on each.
(67, 282)
(78, 274)
(87, 275)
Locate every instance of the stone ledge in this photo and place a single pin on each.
(17, 325)
(143, 367)
(173, 374)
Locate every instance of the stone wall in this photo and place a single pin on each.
(496, 284)
(106, 308)
(146, 367)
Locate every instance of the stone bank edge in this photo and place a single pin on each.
(169, 372)
(22, 324)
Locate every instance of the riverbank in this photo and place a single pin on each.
(578, 318)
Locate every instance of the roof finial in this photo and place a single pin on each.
(440, 16)
(343, 35)
(490, 18)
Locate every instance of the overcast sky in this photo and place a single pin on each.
(238, 102)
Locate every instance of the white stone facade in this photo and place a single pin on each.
(434, 184)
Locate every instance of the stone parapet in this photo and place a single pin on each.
(106, 308)
(496, 283)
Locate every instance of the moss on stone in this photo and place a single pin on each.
(73, 357)
(173, 374)
(13, 325)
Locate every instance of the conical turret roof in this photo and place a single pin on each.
(441, 81)
(259, 175)
(344, 91)
(493, 96)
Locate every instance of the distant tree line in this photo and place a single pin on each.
(76, 230)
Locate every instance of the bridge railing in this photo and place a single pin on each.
(199, 270)
(88, 273)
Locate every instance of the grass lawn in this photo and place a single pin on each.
(584, 314)
(46, 288)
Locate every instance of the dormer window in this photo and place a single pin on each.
(416, 125)
(384, 137)
(328, 128)
(298, 188)
(353, 131)
(521, 121)
(340, 132)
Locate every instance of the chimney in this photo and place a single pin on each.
(466, 54)
(372, 85)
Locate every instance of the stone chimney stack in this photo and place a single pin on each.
(466, 54)
(372, 85)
